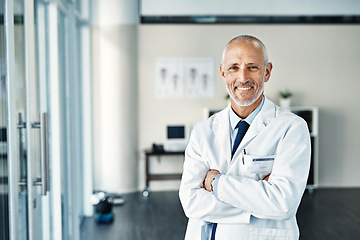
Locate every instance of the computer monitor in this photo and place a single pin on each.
(176, 138)
(176, 132)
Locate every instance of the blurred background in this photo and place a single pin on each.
(88, 86)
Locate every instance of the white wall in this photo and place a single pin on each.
(114, 35)
(319, 63)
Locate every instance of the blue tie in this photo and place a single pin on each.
(242, 128)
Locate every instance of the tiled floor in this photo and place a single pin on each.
(327, 214)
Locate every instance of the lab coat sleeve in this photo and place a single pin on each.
(278, 198)
(196, 201)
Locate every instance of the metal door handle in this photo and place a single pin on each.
(44, 140)
(44, 137)
(45, 187)
(22, 152)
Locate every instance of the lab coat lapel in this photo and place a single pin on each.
(221, 127)
(221, 131)
(264, 117)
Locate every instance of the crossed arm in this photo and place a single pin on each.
(280, 195)
(211, 175)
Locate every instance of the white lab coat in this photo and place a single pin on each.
(247, 207)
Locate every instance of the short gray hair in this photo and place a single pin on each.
(248, 39)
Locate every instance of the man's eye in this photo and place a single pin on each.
(253, 68)
(233, 68)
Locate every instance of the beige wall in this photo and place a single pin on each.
(319, 63)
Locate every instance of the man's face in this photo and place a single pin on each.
(243, 72)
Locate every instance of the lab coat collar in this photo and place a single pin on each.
(264, 117)
(221, 127)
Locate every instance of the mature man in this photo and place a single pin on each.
(245, 167)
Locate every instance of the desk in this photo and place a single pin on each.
(149, 176)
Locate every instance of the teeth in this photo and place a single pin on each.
(244, 88)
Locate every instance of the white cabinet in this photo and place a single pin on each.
(311, 116)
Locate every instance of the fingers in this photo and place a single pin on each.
(213, 171)
(266, 178)
(210, 175)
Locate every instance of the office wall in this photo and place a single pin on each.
(319, 63)
(114, 47)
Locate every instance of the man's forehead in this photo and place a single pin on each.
(244, 45)
(250, 52)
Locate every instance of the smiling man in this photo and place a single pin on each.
(244, 70)
(245, 167)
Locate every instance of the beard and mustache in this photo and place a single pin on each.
(248, 84)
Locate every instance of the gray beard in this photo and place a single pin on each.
(247, 102)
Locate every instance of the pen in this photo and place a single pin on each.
(243, 156)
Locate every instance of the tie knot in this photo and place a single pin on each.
(242, 126)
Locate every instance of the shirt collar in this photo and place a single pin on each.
(234, 118)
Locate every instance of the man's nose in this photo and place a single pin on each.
(242, 75)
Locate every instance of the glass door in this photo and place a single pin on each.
(41, 119)
(4, 183)
(25, 123)
(37, 161)
(19, 90)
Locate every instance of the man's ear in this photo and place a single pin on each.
(222, 72)
(268, 70)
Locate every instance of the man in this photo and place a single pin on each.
(245, 187)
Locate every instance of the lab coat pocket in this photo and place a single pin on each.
(271, 234)
(259, 167)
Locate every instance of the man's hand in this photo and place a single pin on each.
(211, 174)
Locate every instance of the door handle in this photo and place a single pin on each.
(22, 151)
(44, 145)
(44, 153)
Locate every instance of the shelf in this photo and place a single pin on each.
(311, 116)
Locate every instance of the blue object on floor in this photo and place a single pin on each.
(104, 217)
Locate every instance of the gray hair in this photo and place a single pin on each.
(248, 39)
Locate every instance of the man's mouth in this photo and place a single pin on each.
(243, 88)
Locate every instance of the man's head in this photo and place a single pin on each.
(248, 39)
(244, 70)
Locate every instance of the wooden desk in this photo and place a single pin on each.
(149, 176)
